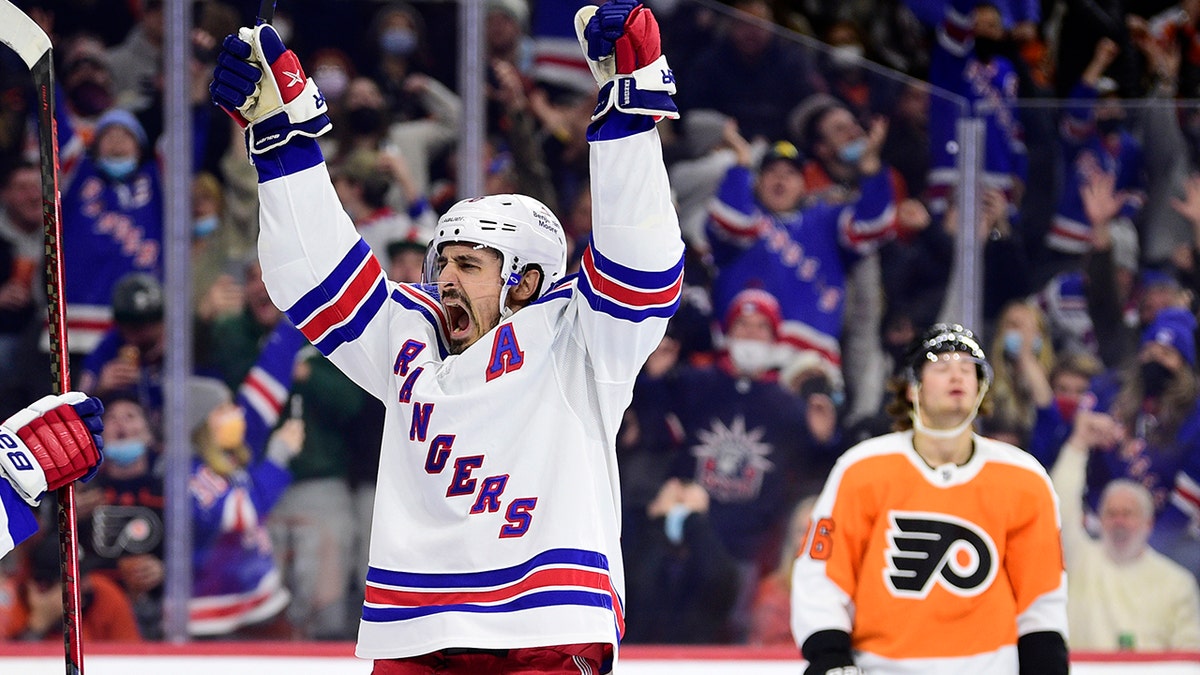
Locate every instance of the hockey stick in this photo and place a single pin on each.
(31, 43)
(266, 12)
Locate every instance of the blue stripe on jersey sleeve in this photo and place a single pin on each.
(604, 305)
(296, 155)
(353, 329)
(650, 281)
(329, 288)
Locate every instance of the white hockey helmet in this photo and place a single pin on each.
(522, 229)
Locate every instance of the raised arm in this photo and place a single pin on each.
(632, 272)
(315, 266)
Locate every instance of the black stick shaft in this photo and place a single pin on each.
(43, 79)
(266, 11)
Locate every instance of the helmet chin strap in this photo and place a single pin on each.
(505, 310)
(952, 432)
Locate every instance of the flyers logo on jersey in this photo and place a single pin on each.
(935, 548)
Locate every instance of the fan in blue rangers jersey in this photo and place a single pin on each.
(44, 447)
(239, 474)
(1154, 404)
(112, 222)
(762, 237)
(965, 62)
(1097, 150)
(495, 544)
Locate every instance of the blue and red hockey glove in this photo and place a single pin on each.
(262, 86)
(623, 46)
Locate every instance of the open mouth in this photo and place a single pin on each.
(459, 321)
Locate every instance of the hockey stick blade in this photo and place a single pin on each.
(22, 35)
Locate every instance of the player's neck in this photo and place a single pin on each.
(938, 451)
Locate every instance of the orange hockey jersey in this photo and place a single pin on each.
(932, 570)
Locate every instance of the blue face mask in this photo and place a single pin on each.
(202, 227)
(1012, 344)
(124, 453)
(398, 41)
(117, 168)
(853, 151)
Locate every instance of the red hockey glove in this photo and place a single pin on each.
(53, 442)
(623, 46)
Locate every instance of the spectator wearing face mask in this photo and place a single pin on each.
(238, 474)
(743, 436)
(836, 141)
(121, 512)
(332, 69)
(1022, 383)
(1070, 381)
(112, 221)
(398, 49)
(1154, 403)
(88, 92)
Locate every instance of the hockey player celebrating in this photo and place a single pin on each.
(53, 442)
(956, 533)
(496, 522)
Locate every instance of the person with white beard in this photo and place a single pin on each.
(1123, 594)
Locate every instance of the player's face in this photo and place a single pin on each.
(949, 389)
(469, 282)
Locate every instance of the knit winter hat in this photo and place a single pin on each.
(206, 393)
(754, 301)
(121, 118)
(1174, 327)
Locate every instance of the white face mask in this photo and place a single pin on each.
(752, 357)
(845, 56)
(331, 80)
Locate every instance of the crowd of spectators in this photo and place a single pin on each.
(816, 174)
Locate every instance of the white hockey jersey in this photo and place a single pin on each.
(496, 521)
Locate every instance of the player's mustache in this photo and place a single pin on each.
(448, 292)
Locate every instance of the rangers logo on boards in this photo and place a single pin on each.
(935, 548)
